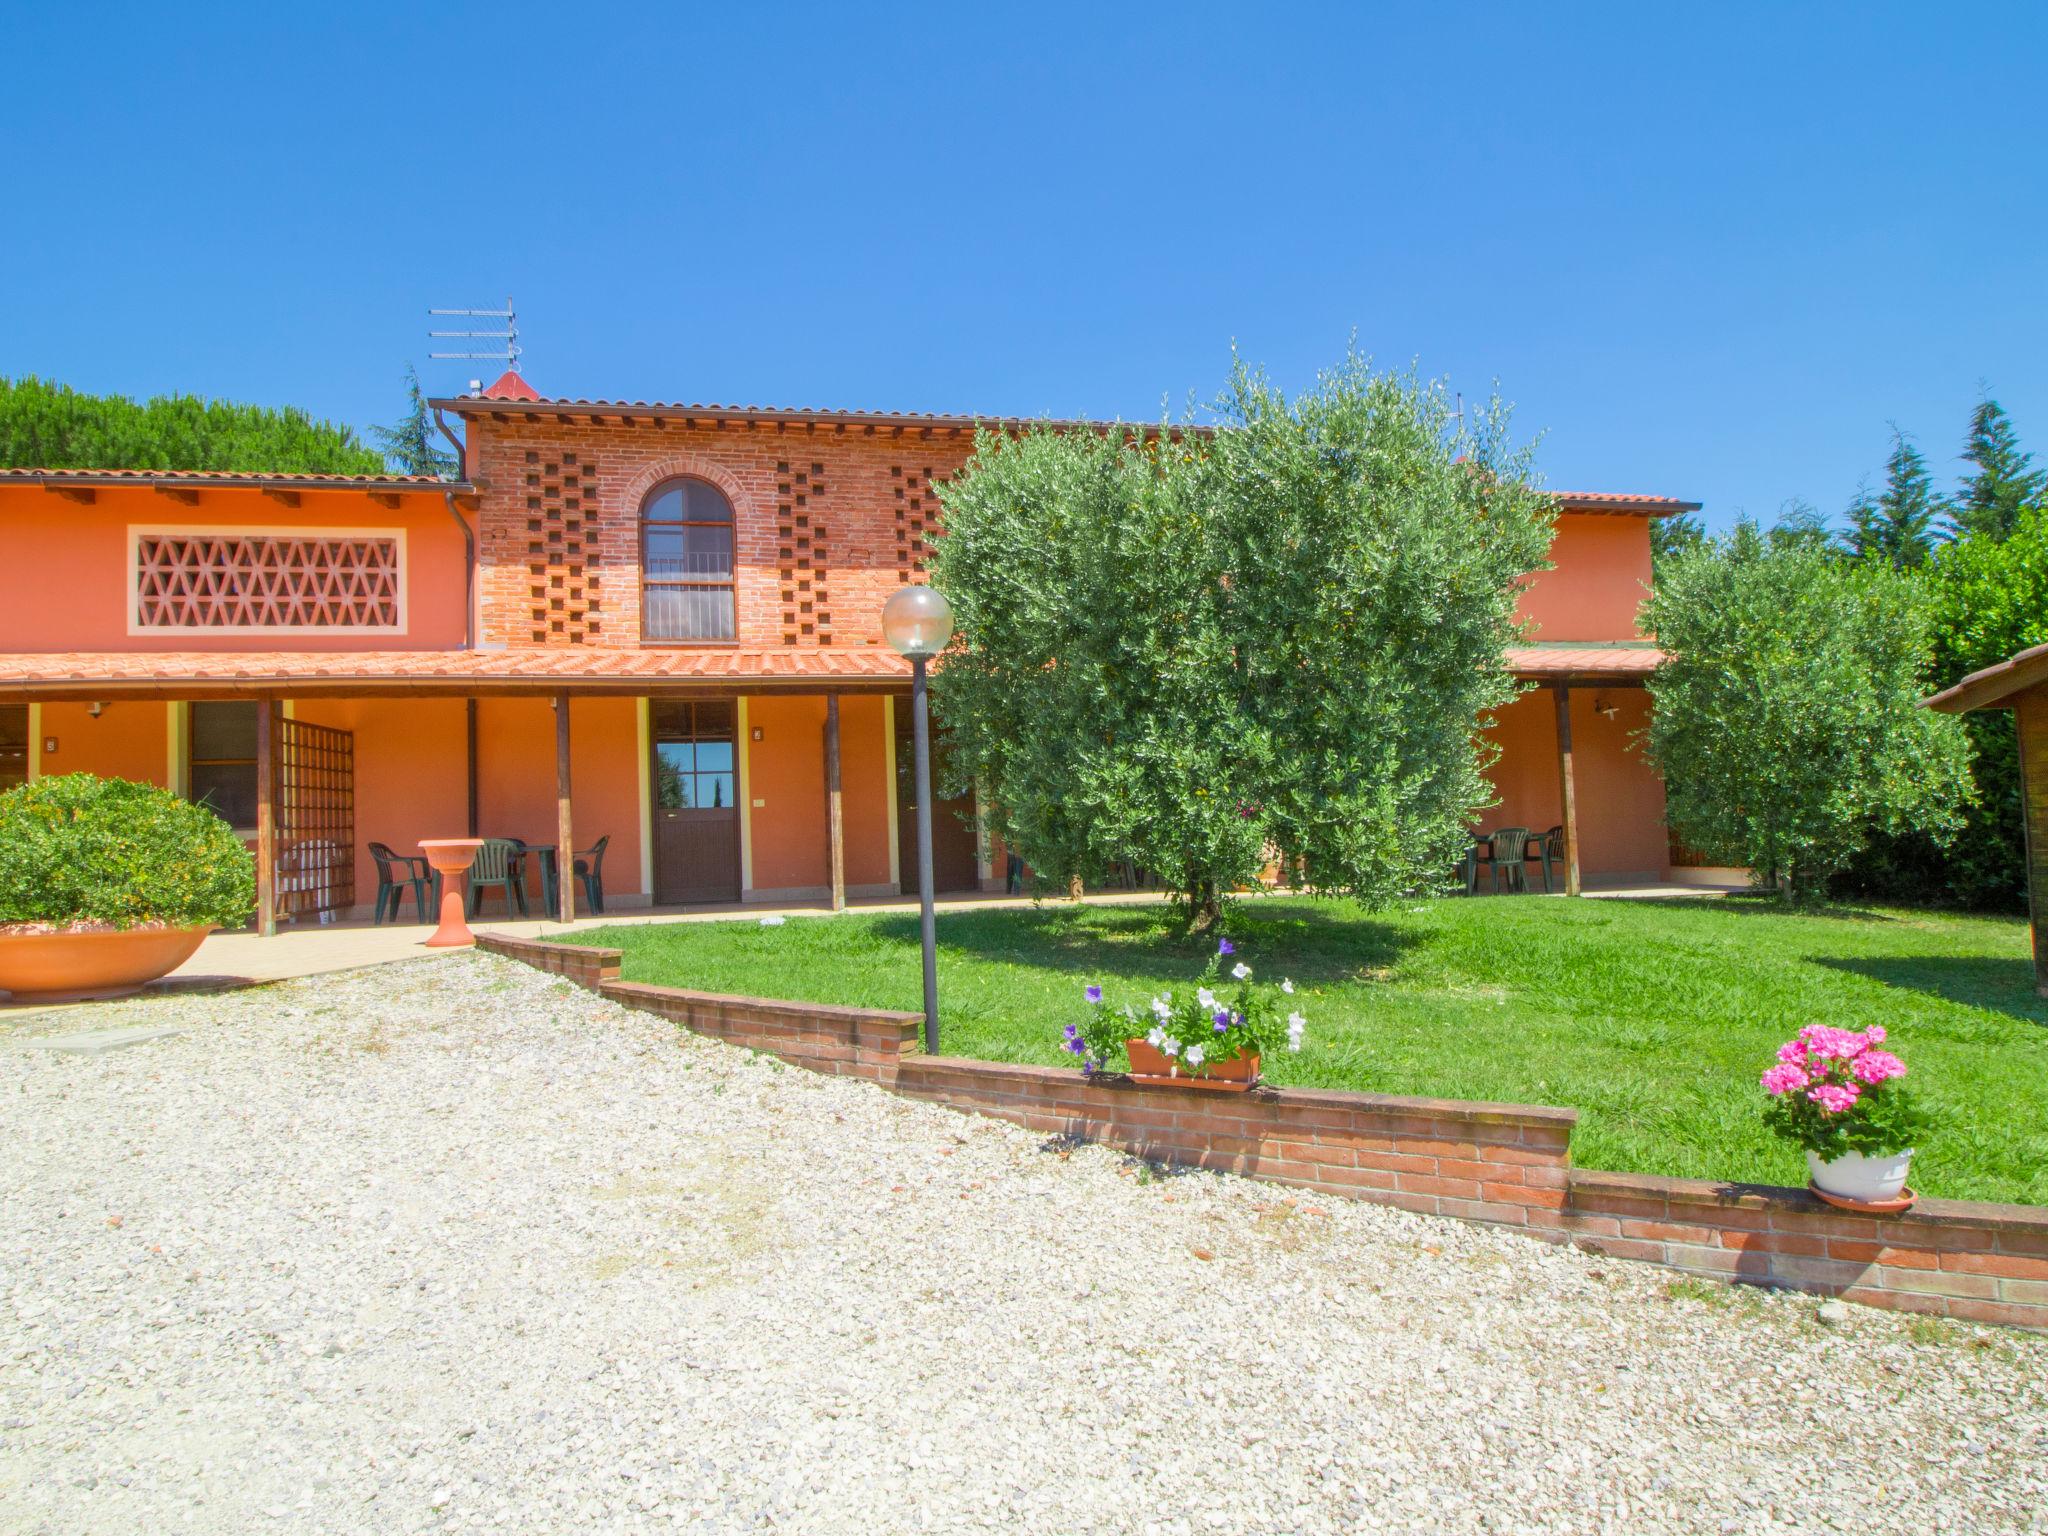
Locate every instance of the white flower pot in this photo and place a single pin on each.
(1853, 1176)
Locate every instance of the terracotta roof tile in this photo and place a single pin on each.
(226, 478)
(1560, 659)
(1622, 501)
(487, 671)
(497, 398)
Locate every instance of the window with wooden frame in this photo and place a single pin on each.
(221, 761)
(13, 745)
(686, 564)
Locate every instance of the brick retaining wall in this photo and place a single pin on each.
(1483, 1162)
(1504, 1164)
(585, 966)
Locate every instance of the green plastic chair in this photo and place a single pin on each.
(396, 873)
(1468, 866)
(1510, 848)
(497, 866)
(588, 868)
(1547, 850)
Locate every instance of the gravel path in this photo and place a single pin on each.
(454, 1246)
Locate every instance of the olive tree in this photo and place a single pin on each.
(1199, 648)
(1786, 717)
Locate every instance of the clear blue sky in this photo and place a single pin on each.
(1709, 251)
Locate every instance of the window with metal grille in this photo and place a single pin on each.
(332, 580)
(686, 563)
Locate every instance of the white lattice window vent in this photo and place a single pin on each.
(307, 581)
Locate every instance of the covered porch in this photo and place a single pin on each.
(676, 781)
(1568, 769)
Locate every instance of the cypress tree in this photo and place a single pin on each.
(2004, 483)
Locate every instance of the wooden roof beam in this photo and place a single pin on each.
(282, 498)
(183, 495)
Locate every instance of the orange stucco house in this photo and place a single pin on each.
(655, 624)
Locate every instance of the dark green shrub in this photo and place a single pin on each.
(83, 849)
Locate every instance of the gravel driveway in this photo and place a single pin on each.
(450, 1245)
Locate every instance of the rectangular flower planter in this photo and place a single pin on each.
(1151, 1065)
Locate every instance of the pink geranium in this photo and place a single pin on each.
(1830, 1091)
(1874, 1067)
(1786, 1077)
(1835, 1098)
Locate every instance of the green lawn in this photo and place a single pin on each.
(1653, 1018)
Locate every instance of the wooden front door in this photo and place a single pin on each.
(696, 804)
(956, 865)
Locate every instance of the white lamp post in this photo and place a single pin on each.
(917, 621)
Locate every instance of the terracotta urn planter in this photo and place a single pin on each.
(451, 858)
(1149, 1064)
(42, 963)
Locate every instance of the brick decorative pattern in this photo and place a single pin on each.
(804, 570)
(866, 510)
(1508, 1165)
(917, 519)
(265, 581)
(564, 598)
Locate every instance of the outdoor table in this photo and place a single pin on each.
(451, 858)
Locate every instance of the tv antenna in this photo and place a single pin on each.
(507, 353)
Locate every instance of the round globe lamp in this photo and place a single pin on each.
(917, 622)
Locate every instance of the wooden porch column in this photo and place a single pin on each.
(565, 832)
(835, 820)
(469, 758)
(266, 817)
(1567, 790)
(2030, 720)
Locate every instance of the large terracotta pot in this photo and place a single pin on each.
(1151, 1065)
(75, 964)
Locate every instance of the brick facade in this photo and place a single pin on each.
(1508, 1165)
(828, 522)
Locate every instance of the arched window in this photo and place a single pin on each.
(686, 590)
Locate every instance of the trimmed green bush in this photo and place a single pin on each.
(82, 849)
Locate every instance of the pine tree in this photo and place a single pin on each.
(1901, 525)
(410, 444)
(52, 426)
(2004, 483)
